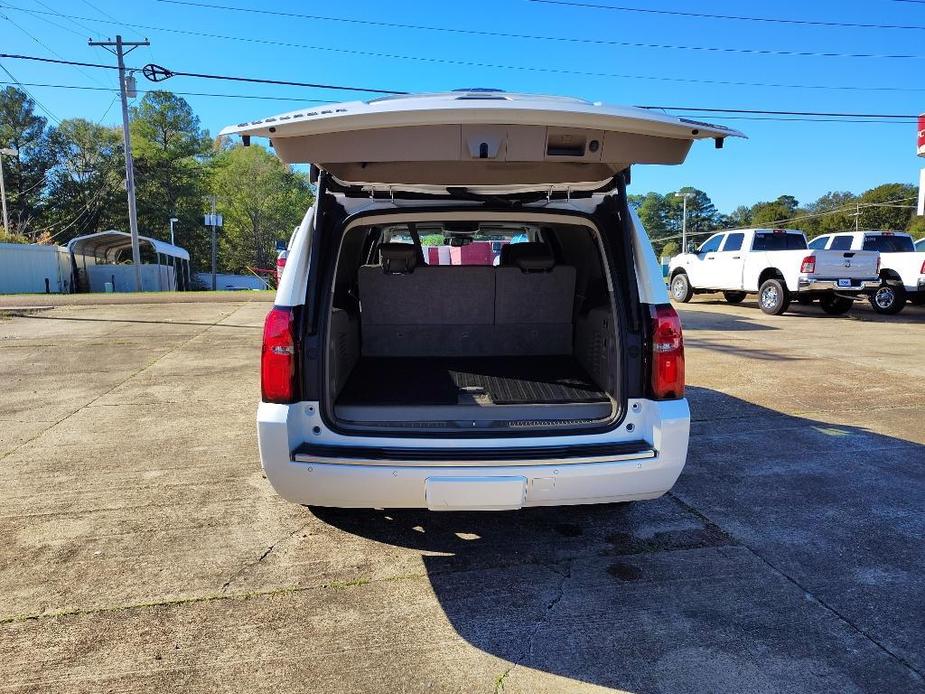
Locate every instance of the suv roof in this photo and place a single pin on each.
(478, 138)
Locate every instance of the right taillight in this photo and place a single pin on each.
(808, 266)
(667, 353)
(278, 357)
(922, 270)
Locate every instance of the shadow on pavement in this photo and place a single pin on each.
(788, 558)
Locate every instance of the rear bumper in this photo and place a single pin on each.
(415, 482)
(810, 284)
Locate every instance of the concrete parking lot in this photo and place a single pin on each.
(144, 551)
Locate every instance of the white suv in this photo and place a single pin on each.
(397, 373)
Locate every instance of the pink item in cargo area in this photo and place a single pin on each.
(476, 253)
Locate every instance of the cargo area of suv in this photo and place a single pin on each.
(496, 326)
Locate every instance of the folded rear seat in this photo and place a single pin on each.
(413, 310)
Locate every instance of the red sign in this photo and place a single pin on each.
(921, 144)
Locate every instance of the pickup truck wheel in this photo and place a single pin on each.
(835, 305)
(681, 290)
(773, 297)
(889, 299)
(734, 297)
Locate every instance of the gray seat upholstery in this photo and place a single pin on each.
(419, 310)
(534, 299)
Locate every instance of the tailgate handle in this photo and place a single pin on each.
(849, 255)
(736, 257)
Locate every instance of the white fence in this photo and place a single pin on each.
(34, 269)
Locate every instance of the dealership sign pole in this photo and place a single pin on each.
(921, 152)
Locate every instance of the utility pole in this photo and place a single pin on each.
(214, 245)
(685, 196)
(120, 54)
(10, 152)
(173, 220)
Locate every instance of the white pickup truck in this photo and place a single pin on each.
(776, 264)
(902, 268)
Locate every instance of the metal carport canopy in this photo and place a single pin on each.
(112, 241)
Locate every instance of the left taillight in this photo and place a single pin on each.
(279, 357)
(667, 353)
(808, 266)
(280, 266)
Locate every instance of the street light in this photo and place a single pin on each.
(685, 196)
(10, 152)
(173, 220)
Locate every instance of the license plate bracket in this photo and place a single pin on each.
(477, 493)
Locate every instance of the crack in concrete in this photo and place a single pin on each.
(263, 556)
(550, 606)
(807, 593)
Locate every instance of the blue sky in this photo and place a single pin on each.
(798, 158)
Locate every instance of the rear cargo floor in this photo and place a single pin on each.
(451, 381)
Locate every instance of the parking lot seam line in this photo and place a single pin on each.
(214, 597)
(807, 593)
(125, 380)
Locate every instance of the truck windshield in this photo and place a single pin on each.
(778, 242)
(889, 244)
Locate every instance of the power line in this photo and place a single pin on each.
(741, 18)
(779, 113)
(41, 43)
(31, 96)
(201, 75)
(539, 37)
(470, 63)
(85, 87)
(257, 80)
(262, 97)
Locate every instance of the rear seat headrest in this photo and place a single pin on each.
(529, 257)
(398, 257)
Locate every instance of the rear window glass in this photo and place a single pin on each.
(769, 241)
(482, 245)
(733, 242)
(889, 244)
(819, 243)
(841, 243)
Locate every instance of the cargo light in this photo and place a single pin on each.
(808, 265)
(279, 357)
(667, 353)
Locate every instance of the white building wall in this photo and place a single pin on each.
(34, 269)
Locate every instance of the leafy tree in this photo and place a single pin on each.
(701, 212)
(86, 191)
(740, 218)
(917, 228)
(24, 174)
(835, 210)
(655, 213)
(894, 203)
(262, 200)
(670, 249)
(765, 213)
(171, 152)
